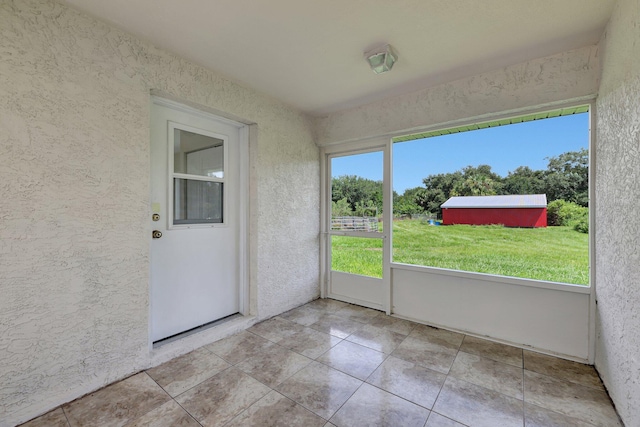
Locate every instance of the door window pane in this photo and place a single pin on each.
(357, 255)
(356, 192)
(197, 202)
(197, 154)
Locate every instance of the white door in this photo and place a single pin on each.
(195, 220)
(356, 239)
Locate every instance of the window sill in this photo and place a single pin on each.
(556, 286)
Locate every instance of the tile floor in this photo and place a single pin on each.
(328, 363)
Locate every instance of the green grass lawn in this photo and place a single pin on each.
(557, 254)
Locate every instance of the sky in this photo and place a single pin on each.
(504, 148)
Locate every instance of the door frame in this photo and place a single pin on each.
(358, 147)
(242, 236)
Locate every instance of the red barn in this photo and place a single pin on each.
(522, 210)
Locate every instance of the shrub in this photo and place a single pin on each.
(341, 208)
(582, 226)
(563, 213)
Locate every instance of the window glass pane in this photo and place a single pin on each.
(357, 255)
(510, 200)
(197, 202)
(198, 154)
(356, 192)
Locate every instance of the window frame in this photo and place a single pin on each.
(504, 119)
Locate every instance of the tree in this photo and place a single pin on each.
(407, 203)
(470, 181)
(567, 177)
(524, 180)
(477, 181)
(476, 185)
(356, 189)
(437, 190)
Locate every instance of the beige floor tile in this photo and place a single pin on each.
(394, 324)
(55, 418)
(574, 372)
(320, 388)
(404, 366)
(438, 336)
(219, 399)
(496, 376)
(409, 381)
(335, 325)
(427, 354)
(117, 404)
(304, 315)
(274, 365)
(169, 414)
(437, 420)
(574, 400)
(353, 359)
(535, 416)
(370, 406)
(275, 410)
(239, 347)
(379, 339)
(180, 374)
(275, 329)
(309, 342)
(477, 406)
(492, 350)
(358, 313)
(327, 304)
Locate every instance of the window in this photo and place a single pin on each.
(198, 175)
(508, 197)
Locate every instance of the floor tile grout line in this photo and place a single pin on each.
(560, 413)
(302, 405)
(174, 398)
(449, 418)
(481, 386)
(346, 400)
(566, 381)
(602, 389)
(247, 408)
(486, 388)
(524, 412)
(66, 417)
(187, 412)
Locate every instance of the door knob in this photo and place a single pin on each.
(156, 234)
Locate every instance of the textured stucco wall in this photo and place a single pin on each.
(618, 212)
(74, 185)
(556, 78)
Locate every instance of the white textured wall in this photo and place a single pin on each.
(618, 212)
(74, 191)
(556, 78)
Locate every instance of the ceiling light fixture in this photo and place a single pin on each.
(381, 59)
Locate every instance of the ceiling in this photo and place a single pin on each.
(309, 53)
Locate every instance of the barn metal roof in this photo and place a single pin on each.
(510, 201)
